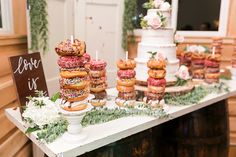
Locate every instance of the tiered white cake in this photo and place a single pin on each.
(157, 36)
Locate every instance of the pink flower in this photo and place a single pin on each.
(157, 3)
(155, 22)
(160, 56)
(183, 73)
(179, 38)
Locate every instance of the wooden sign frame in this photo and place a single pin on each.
(28, 76)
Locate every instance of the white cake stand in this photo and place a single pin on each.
(75, 133)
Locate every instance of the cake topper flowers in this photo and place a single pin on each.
(157, 4)
(153, 21)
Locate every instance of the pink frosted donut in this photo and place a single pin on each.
(97, 65)
(73, 61)
(126, 74)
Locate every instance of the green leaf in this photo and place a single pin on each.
(55, 97)
(30, 130)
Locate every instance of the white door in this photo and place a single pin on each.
(99, 23)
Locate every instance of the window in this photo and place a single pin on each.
(200, 17)
(5, 17)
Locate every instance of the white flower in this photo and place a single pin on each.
(179, 38)
(153, 21)
(157, 3)
(165, 6)
(41, 115)
(160, 56)
(193, 48)
(183, 73)
(201, 49)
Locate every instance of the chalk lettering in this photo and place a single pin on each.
(24, 65)
(32, 85)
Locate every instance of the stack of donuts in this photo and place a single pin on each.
(125, 82)
(198, 65)
(185, 58)
(212, 68)
(74, 68)
(156, 81)
(98, 82)
(217, 43)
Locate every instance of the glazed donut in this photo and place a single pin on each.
(74, 83)
(198, 56)
(73, 95)
(97, 65)
(98, 87)
(72, 74)
(125, 89)
(76, 108)
(156, 82)
(98, 73)
(98, 102)
(212, 75)
(100, 95)
(156, 89)
(154, 96)
(198, 73)
(156, 64)
(127, 95)
(126, 74)
(66, 48)
(126, 64)
(212, 57)
(158, 74)
(126, 82)
(212, 70)
(98, 80)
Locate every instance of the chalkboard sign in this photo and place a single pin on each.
(28, 75)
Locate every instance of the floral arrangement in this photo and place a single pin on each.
(42, 115)
(182, 75)
(157, 4)
(153, 21)
(197, 48)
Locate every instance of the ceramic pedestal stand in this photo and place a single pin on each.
(74, 132)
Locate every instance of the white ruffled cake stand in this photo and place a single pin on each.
(75, 133)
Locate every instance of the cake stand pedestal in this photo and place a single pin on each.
(75, 133)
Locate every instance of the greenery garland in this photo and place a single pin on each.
(102, 115)
(38, 25)
(130, 8)
(196, 95)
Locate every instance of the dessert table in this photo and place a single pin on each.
(100, 135)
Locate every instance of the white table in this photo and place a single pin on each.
(103, 134)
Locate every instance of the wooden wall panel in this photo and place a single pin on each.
(232, 21)
(12, 141)
(13, 144)
(19, 16)
(10, 46)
